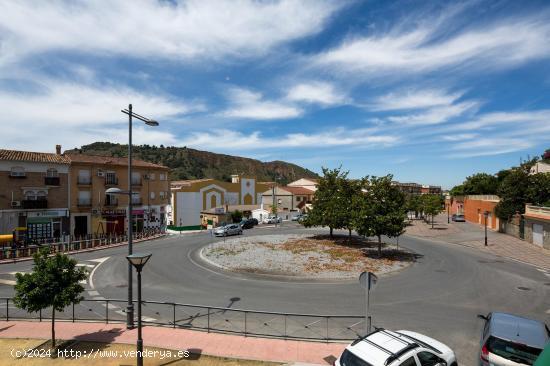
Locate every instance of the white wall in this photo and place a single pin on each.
(188, 206)
(250, 189)
(260, 214)
(232, 198)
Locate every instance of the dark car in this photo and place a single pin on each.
(254, 221)
(247, 224)
(509, 339)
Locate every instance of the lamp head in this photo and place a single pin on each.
(138, 260)
(152, 122)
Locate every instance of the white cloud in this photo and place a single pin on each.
(427, 48)
(489, 146)
(251, 105)
(317, 92)
(413, 99)
(74, 114)
(435, 115)
(157, 29)
(229, 140)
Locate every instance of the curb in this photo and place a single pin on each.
(480, 250)
(17, 260)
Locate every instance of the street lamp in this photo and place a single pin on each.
(486, 214)
(449, 212)
(138, 260)
(149, 122)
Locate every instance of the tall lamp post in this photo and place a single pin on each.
(486, 214)
(138, 260)
(449, 212)
(149, 122)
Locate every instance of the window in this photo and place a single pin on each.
(298, 198)
(349, 359)
(136, 199)
(152, 176)
(84, 177)
(428, 359)
(84, 198)
(152, 195)
(52, 173)
(519, 353)
(162, 176)
(136, 178)
(41, 195)
(110, 178)
(162, 195)
(17, 171)
(408, 362)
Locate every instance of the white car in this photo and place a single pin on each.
(273, 220)
(396, 348)
(233, 229)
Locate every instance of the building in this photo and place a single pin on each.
(454, 205)
(190, 198)
(94, 212)
(35, 193)
(476, 205)
(290, 200)
(429, 189)
(308, 183)
(537, 225)
(540, 167)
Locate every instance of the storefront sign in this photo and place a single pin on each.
(53, 213)
(118, 212)
(137, 212)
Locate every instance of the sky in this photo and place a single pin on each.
(430, 92)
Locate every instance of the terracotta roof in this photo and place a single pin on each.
(188, 182)
(111, 160)
(298, 190)
(38, 157)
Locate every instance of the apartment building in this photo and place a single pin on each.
(290, 200)
(94, 212)
(35, 193)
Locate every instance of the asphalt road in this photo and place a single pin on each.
(439, 295)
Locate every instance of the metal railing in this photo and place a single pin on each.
(72, 244)
(204, 318)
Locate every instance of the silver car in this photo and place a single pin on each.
(511, 340)
(232, 229)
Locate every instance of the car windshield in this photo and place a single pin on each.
(349, 359)
(513, 351)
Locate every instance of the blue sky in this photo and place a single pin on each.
(428, 91)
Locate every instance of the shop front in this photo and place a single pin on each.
(47, 224)
(113, 222)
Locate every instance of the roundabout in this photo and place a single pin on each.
(438, 294)
(304, 257)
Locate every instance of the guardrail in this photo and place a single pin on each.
(88, 242)
(205, 318)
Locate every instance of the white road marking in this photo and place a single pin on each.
(14, 273)
(83, 282)
(98, 260)
(93, 293)
(85, 265)
(98, 298)
(120, 312)
(7, 282)
(147, 319)
(548, 311)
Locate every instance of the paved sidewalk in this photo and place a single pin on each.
(212, 344)
(472, 235)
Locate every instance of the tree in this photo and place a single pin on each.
(348, 190)
(538, 189)
(431, 205)
(414, 204)
(380, 210)
(513, 194)
(481, 183)
(236, 216)
(457, 190)
(327, 209)
(54, 281)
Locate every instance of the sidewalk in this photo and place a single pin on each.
(472, 235)
(212, 344)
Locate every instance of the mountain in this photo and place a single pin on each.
(186, 163)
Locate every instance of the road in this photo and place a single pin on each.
(439, 295)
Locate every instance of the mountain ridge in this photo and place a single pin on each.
(187, 163)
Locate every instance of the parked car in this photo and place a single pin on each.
(510, 340)
(299, 217)
(254, 221)
(396, 348)
(273, 220)
(458, 218)
(247, 224)
(232, 229)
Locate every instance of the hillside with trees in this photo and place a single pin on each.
(186, 163)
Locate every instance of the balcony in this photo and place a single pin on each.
(84, 202)
(84, 181)
(17, 175)
(137, 182)
(34, 204)
(111, 202)
(51, 181)
(111, 181)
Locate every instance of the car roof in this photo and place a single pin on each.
(381, 345)
(518, 329)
